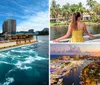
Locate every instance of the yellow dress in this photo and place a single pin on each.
(77, 36)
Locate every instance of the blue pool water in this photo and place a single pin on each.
(25, 65)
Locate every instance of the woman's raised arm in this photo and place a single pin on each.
(66, 35)
(85, 30)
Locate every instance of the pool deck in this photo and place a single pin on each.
(7, 45)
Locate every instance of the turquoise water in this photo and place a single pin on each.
(26, 65)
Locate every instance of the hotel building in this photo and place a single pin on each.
(9, 26)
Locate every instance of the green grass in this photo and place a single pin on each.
(64, 23)
(90, 23)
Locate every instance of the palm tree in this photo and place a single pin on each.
(66, 11)
(91, 3)
(74, 8)
(81, 8)
(54, 9)
(97, 8)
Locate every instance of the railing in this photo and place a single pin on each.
(86, 38)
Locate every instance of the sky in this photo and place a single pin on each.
(62, 2)
(76, 48)
(29, 14)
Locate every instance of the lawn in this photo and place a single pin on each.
(90, 23)
(65, 23)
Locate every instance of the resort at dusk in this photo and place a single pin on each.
(75, 64)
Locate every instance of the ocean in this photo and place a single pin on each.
(26, 65)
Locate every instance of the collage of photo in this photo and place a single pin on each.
(50, 42)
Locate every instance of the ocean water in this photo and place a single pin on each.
(56, 56)
(25, 65)
(73, 77)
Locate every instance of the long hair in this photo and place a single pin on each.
(74, 20)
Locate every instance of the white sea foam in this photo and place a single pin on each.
(40, 41)
(21, 65)
(25, 67)
(31, 51)
(40, 58)
(29, 60)
(24, 47)
(18, 64)
(2, 55)
(8, 81)
(8, 53)
(9, 72)
(18, 51)
(5, 62)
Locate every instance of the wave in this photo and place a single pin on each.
(22, 66)
(23, 51)
(22, 63)
(28, 60)
(8, 53)
(25, 67)
(1, 62)
(21, 58)
(32, 51)
(18, 64)
(9, 72)
(23, 47)
(18, 51)
(31, 59)
(40, 58)
(8, 81)
(2, 55)
(40, 41)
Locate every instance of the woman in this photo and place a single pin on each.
(76, 28)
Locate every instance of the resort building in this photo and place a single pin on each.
(66, 57)
(9, 32)
(86, 17)
(57, 19)
(31, 30)
(9, 26)
(52, 19)
(22, 37)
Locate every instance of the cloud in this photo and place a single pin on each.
(28, 15)
(37, 22)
